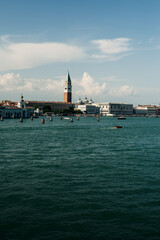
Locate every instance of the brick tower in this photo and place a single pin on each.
(68, 89)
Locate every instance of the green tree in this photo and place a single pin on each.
(46, 108)
(35, 107)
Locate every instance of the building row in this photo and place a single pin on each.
(106, 109)
(26, 109)
(116, 109)
(10, 109)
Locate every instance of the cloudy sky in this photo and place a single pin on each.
(111, 49)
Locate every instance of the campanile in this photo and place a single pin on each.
(68, 89)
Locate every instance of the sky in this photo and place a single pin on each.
(111, 49)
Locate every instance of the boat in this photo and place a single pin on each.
(118, 126)
(110, 115)
(121, 118)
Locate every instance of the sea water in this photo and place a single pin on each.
(80, 180)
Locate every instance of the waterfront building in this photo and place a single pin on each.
(158, 110)
(68, 89)
(22, 103)
(10, 109)
(106, 109)
(145, 110)
(12, 112)
(89, 109)
(52, 106)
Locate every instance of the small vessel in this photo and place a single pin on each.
(121, 118)
(66, 118)
(110, 115)
(71, 120)
(21, 119)
(118, 126)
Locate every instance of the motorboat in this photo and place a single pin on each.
(121, 118)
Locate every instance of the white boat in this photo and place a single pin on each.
(110, 115)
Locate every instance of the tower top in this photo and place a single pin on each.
(22, 97)
(68, 78)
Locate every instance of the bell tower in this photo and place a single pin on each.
(22, 103)
(68, 89)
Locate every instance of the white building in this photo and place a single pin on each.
(89, 109)
(22, 103)
(16, 111)
(145, 110)
(85, 101)
(106, 109)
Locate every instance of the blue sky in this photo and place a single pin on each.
(110, 47)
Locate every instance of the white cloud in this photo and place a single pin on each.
(10, 82)
(23, 55)
(113, 46)
(123, 91)
(112, 49)
(28, 55)
(110, 57)
(89, 87)
(14, 82)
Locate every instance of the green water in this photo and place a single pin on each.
(80, 180)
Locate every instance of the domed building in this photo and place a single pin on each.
(85, 100)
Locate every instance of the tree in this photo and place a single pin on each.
(35, 107)
(46, 108)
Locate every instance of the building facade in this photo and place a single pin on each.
(89, 109)
(68, 89)
(9, 109)
(149, 110)
(54, 106)
(115, 108)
